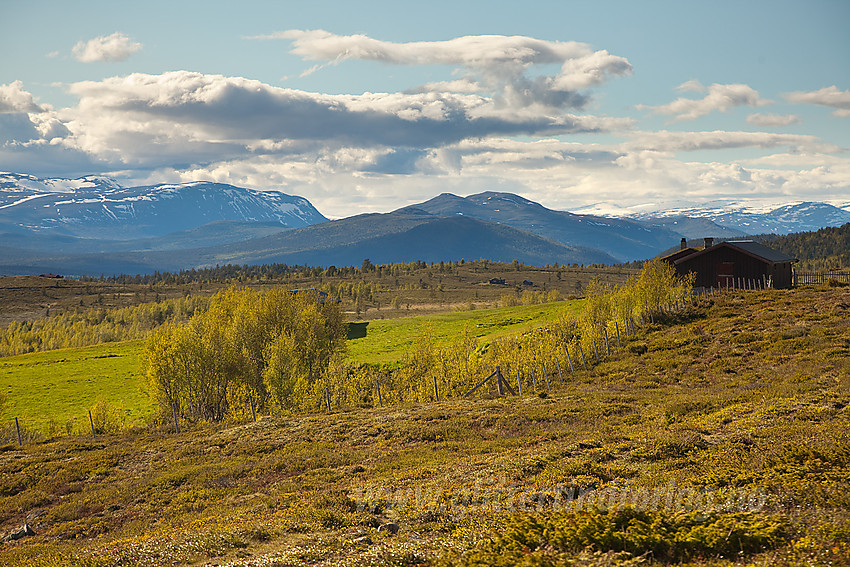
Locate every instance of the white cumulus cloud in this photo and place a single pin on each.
(718, 98)
(827, 96)
(496, 63)
(113, 47)
(14, 99)
(183, 115)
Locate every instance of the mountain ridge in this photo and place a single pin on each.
(624, 239)
(88, 207)
(92, 225)
(382, 237)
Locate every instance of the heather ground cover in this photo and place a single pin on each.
(717, 435)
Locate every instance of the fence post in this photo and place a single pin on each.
(581, 352)
(596, 351)
(380, 398)
(253, 409)
(617, 327)
(607, 346)
(174, 414)
(499, 387)
(18, 428)
(546, 375)
(569, 359)
(494, 373)
(436, 392)
(505, 382)
(533, 380)
(328, 398)
(91, 422)
(561, 376)
(519, 381)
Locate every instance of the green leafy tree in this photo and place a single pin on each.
(270, 347)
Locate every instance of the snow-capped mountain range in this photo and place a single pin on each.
(93, 225)
(739, 217)
(98, 207)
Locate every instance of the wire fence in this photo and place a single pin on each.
(815, 278)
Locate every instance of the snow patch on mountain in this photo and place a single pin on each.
(99, 206)
(747, 217)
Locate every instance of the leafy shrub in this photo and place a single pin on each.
(107, 418)
(668, 537)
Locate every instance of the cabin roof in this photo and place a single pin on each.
(748, 247)
(680, 253)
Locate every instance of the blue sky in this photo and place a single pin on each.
(372, 106)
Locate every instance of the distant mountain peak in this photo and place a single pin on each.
(494, 198)
(97, 206)
(621, 238)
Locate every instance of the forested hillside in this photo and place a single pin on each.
(824, 249)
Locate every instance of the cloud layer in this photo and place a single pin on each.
(828, 96)
(718, 98)
(493, 63)
(200, 117)
(510, 115)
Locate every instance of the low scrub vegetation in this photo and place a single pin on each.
(283, 351)
(95, 325)
(721, 441)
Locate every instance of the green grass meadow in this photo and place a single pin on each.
(388, 340)
(62, 385)
(55, 388)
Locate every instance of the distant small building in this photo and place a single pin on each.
(734, 263)
(527, 283)
(53, 276)
(497, 281)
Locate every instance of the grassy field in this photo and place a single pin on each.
(62, 385)
(429, 289)
(717, 436)
(388, 340)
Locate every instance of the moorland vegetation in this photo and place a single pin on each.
(687, 431)
(716, 435)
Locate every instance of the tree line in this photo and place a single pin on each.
(824, 249)
(284, 352)
(96, 325)
(235, 273)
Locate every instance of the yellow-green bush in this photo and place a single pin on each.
(270, 347)
(665, 536)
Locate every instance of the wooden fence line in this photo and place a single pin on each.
(812, 278)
